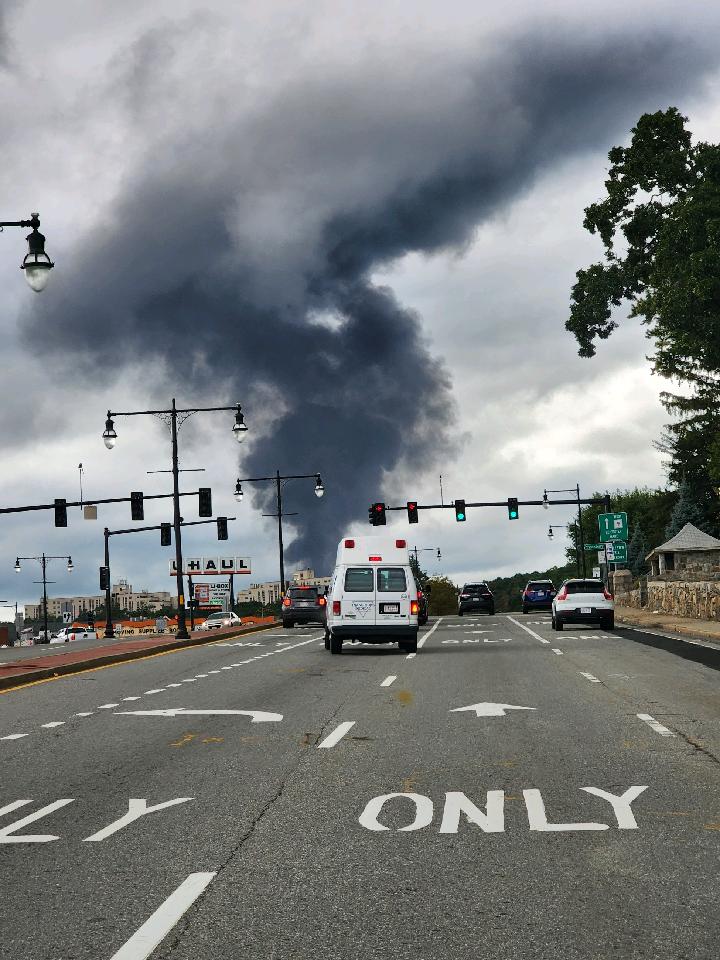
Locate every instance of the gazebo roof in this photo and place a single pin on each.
(689, 538)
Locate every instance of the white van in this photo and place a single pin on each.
(373, 596)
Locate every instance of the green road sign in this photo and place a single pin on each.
(613, 526)
(594, 546)
(616, 551)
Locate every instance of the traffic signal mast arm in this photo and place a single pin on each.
(594, 501)
(90, 503)
(158, 526)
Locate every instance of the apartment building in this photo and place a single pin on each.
(272, 591)
(122, 594)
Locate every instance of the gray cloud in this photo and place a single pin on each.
(243, 246)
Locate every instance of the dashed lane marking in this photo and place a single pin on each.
(655, 725)
(108, 706)
(590, 677)
(15, 736)
(528, 630)
(337, 735)
(158, 690)
(142, 943)
(388, 680)
(558, 652)
(53, 723)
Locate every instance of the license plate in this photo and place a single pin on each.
(585, 609)
(389, 608)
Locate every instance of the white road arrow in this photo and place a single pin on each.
(490, 709)
(258, 716)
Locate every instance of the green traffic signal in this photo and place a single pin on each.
(459, 510)
(513, 512)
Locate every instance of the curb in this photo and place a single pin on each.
(49, 673)
(696, 650)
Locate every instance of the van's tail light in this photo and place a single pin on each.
(286, 602)
(336, 608)
(400, 544)
(413, 607)
(563, 595)
(607, 595)
(322, 601)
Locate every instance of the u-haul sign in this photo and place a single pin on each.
(212, 566)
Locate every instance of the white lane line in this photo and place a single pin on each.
(213, 671)
(142, 943)
(411, 656)
(590, 677)
(222, 668)
(169, 685)
(528, 630)
(130, 698)
(53, 723)
(337, 734)
(108, 706)
(388, 680)
(159, 690)
(558, 652)
(656, 726)
(87, 714)
(192, 679)
(199, 675)
(15, 736)
(425, 637)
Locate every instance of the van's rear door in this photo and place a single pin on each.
(358, 596)
(393, 594)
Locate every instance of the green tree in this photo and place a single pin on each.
(637, 551)
(659, 223)
(420, 575)
(686, 510)
(443, 596)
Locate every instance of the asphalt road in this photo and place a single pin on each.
(377, 817)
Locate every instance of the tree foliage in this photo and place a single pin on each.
(443, 596)
(686, 510)
(659, 223)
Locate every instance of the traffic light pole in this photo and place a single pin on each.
(594, 501)
(109, 631)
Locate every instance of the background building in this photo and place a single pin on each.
(122, 596)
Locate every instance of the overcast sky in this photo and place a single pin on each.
(360, 220)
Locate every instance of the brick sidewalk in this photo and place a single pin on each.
(19, 672)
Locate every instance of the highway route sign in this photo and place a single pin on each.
(613, 526)
(616, 552)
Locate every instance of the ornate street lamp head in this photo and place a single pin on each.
(546, 505)
(36, 264)
(17, 565)
(70, 565)
(550, 533)
(239, 427)
(238, 491)
(109, 434)
(319, 488)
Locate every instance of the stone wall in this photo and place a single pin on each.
(697, 599)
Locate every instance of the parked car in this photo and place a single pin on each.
(373, 597)
(303, 605)
(219, 620)
(583, 601)
(475, 598)
(538, 595)
(77, 631)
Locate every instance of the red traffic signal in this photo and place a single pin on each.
(412, 509)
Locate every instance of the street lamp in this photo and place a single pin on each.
(43, 561)
(36, 263)
(546, 505)
(109, 435)
(239, 427)
(279, 480)
(581, 538)
(555, 526)
(170, 417)
(238, 491)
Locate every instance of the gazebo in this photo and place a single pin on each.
(689, 549)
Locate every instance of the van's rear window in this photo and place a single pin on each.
(585, 586)
(391, 580)
(359, 580)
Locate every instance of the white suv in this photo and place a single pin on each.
(583, 601)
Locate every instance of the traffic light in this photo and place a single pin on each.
(460, 510)
(205, 507)
(222, 528)
(376, 515)
(412, 509)
(165, 534)
(60, 513)
(513, 512)
(137, 510)
(104, 578)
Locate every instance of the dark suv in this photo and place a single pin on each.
(474, 598)
(303, 605)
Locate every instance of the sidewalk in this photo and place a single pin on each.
(67, 659)
(700, 631)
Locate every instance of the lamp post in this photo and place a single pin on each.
(171, 416)
(417, 550)
(279, 480)
(581, 538)
(36, 263)
(43, 561)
